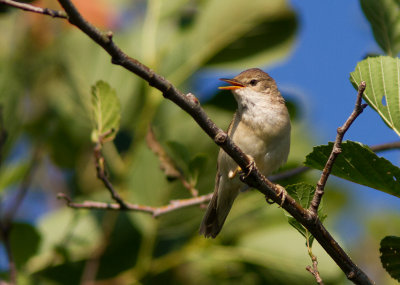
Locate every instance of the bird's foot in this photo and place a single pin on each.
(281, 194)
(250, 168)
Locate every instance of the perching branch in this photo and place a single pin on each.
(154, 211)
(191, 105)
(35, 9)
(336, 150)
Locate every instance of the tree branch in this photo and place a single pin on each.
(35, 9)
(314, 269)
(385, 146)
(154, 211)
(101, 174)
(191, 105)
(336, 150)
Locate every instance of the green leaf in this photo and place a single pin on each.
(303, 194)
(106, 112)
(382, 76)
(359, 164)
(196, 165)
(384, 17)
(390, 255)
(232, 33)
(25, 241)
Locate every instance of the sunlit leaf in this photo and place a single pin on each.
(359, 164)
(390, 255)
(106, 112)
(382, 76)
(384, 17)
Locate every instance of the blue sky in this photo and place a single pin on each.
(333, 37)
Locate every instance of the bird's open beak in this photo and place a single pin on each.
(234, 84)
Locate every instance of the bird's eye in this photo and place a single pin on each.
(253, 82)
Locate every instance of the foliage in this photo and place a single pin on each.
(359, 164)
(390, 248)
(106, 112)
(382, 75)
(176, 38)
(383, 16)
(303, 194)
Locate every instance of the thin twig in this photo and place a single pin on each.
(101, 174)
(35, 9)
(154, 211)
(314, 269)
(166, 163)
(336, 150)
(191, 105)
(385, 146)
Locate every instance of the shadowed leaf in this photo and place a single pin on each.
(390, 255)
(384, 17)
(359, 164)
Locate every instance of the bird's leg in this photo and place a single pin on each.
(238, 169)
(250, 167)
(232, 173)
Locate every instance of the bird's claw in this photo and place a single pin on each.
(249, 167)
(281, 193)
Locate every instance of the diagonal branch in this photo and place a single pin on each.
(336, 150)
(191, 105)
(35, 9)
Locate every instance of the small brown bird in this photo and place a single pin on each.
(261, 128)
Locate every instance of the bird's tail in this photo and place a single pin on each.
(215, 216)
